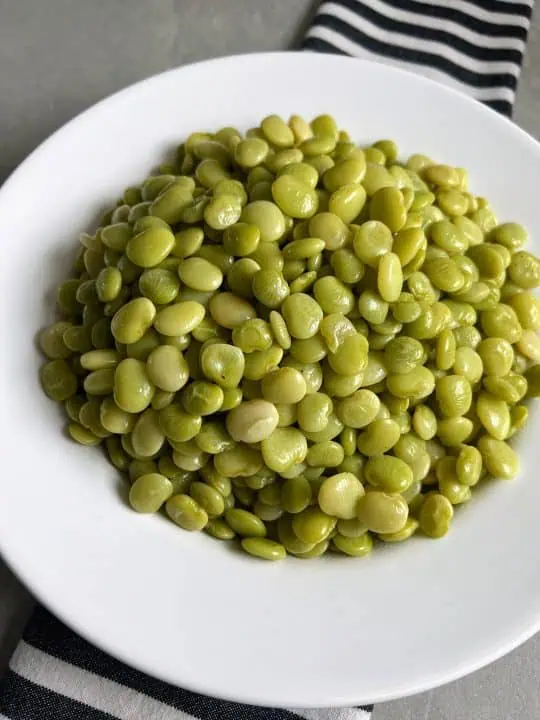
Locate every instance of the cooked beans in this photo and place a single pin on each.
(300, 343)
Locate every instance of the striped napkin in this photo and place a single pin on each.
(476, 46)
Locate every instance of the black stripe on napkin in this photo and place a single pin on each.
(501, 106)
(21, 699)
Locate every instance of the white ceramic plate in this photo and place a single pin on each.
(184, 607)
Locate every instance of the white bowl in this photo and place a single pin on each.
(181, 606)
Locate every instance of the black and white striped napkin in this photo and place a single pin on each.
(476, 46)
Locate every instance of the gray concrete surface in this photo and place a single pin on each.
(59, 57)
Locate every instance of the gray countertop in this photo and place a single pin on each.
(59, 57)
